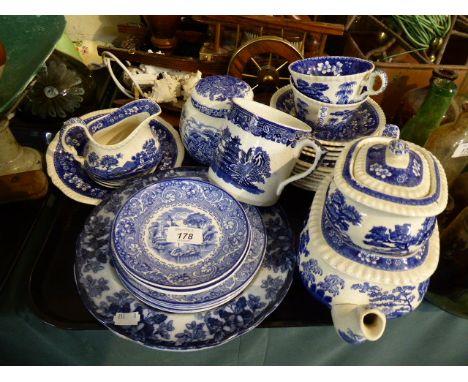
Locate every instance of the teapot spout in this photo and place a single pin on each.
(358, 323)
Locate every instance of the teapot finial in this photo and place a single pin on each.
(398, 147)
(397, 153)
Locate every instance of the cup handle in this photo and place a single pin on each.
(371, 81)
(319, 155)
(75, 123)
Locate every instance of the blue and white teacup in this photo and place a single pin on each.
(119, 146)
(257, 152)
(331, 122)
(337, 79)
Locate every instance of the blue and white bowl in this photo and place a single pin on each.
(205, 298)
(337, 79)
(203, 114)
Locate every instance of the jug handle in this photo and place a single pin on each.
(319, 154)
(67, 147)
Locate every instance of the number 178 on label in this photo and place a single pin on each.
(185, 235)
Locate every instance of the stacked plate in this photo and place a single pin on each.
(369, 120)
(114, 294)
(185, 245)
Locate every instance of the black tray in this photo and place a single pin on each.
(54, 297)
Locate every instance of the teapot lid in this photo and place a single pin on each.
(216, 92)
(392, 175)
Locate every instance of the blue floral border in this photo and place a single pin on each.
(263, 128)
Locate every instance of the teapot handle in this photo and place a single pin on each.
(319, 154)
(74, 123)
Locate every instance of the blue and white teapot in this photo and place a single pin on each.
(371, 242)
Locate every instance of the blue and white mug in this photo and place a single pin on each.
(257, 152)
(337, 79)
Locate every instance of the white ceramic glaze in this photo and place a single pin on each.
(337, 80)
(257, 152)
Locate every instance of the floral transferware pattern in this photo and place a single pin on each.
(372, 193)
(221, 88)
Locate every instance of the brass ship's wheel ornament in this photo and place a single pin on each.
(263, 62)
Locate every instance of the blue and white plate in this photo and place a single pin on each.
(156, 304)
(181, 234)
(68, 175)
(368, 120)
(211, 297)
(105, 297)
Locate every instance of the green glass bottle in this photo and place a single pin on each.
(429, 116)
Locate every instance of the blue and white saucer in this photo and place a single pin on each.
(180, 234)
(67, 174)
(110, 302)
(368, 120)
(211, 297)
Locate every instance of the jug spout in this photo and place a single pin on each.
(358, 323)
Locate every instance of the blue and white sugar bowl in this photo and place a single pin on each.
(203, 114)
(371, 242)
